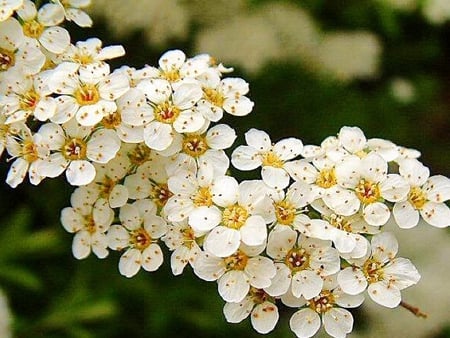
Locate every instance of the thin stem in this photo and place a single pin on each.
(413, 309)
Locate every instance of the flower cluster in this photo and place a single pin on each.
(148, 154)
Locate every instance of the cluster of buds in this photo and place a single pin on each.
(147, 152)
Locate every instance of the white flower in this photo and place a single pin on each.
(89, 52)
(208, 148)
(17, 54)
(290, 207)
(74, 148)
(301, 263)
(173, 111)
(108, 181)
(28, 151)
(258, 304)
(28, 98)
(426, 197)
(223, 95)
(138, 233)
(236, 273)
(365, 182)
(182, 240)
(89, 223)
(87, 93)
(192, 199)
(42, 26)
(327, 309)
(73, 12)
(272, 158)
(246, 211)
(382, 274)
(8, 7)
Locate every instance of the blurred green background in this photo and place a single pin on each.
(402, 95)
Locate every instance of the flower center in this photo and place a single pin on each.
(139, 155)
(297, 259)
(203, 197)
(340, 222)
(322, 303)
(237, 261)
(326, 178)
(368, 192)
(106, 186)
(417, 198)
(87, 94)
(33, 29)
(373, 271)
(259, 296)
(7, 59)
(285, 212)
(188, 237)
(140, 239)
(29, 100)
(160, 194)
(29, 151)
(172, 75)
(213, 96)
(194, 145)
(83, 58)
(74, 149)
(271, 159)
(234, 216)
(112, 121)
(166, 112)
(89, 224)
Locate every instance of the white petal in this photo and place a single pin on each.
(280, 282)
(402, 273)
(405, 215)
(376, 213)
(158, 135)
(222, 241)
(130, 263)
(225, 190)
(306, 283)
(237, 312)
(264, 317)
(71, 220)
(118, 196)
(384, 246)
(288, 148)
(276, 178)
(352, 139)
(395, 188)
(152, 257)
(80, 173)
(258, 139)
(260, 270)
(338, 322)
(437, 188)
(189, 121)
(118, 237)
(205, 218)
(305, 323)
(17, 172)
(385, 295)
(55, 39)
(436, 214)
(352, 281)
(81, 244)
(220, 136)
(245, 158)
(233, 286)
(254, 231)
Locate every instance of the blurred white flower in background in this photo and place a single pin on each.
(349, 55)
(161, 20)
(436, 11)
(5, 317)
(402, 90)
